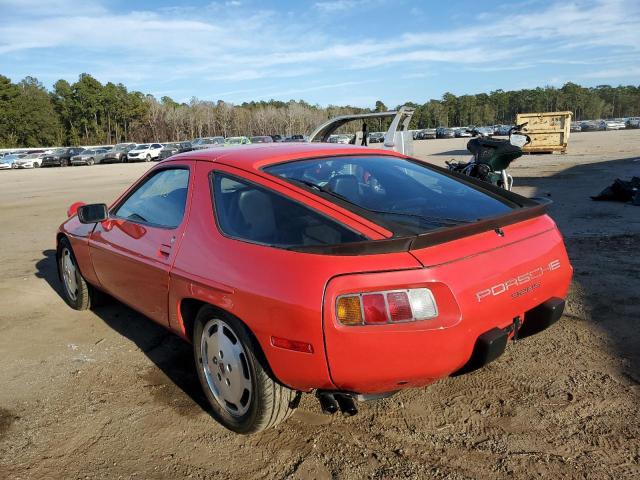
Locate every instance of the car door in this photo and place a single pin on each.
(133, 251)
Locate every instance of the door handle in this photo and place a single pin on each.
(164, 250)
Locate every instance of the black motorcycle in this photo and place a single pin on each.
(492, 157)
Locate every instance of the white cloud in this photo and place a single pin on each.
(227, 41)
(614, 73)
(337, 5)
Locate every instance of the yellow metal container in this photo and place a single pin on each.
(549, 131)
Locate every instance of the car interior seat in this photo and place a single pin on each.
(257, 212)
(345, 185)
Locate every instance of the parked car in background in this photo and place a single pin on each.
(443, 132)
(8, 161)
(30, 160)
(295, 138)
(145, 152)
(261, 139)
(60, 157)
(174, 148)
(612, 125)
(118, 153)
(503, 130)
(376, 137)
(230, 141)
(207, 142)
(575, 127)
(485, 131)
(633, 122)
(462, 132)
(277, 138)
(340, 138)
(591, 126)
(89, 157)
(426, 133)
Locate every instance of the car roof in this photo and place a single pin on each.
(256, 156)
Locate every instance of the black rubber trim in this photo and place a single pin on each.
(541, 317)
(489, 346)
(428, 239)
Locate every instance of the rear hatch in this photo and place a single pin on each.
(499, 274)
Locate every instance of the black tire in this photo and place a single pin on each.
(64, 162)
(36, 165)
(269, 403)
(80, 299)
(147, 158)
(123, 159)
(90, 162)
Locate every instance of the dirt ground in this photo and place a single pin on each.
(109, 394)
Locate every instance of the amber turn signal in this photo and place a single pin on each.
(349, 311)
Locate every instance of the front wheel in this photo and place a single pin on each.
(232, 371)
(90, 162)
(147, 158)
(64, 162)
(75, 288)
(36, 165)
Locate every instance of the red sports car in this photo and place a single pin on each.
(344, 271)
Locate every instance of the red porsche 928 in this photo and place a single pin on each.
(344, 271)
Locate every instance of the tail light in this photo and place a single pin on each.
(381, 308)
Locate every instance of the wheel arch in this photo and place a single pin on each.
(188, 311)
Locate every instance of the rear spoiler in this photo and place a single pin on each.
(429, 239)
(526, 208)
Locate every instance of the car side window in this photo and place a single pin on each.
(156, 145)
(160, 200)
(249, 212)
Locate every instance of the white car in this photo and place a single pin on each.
(145, 152)
(613, 125)
(31, 160)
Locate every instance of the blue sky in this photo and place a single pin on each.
(327, 52)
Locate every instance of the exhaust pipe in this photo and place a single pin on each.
(346, 404)
(328, 403)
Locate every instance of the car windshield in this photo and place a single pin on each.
(88, 152)
(141, 147)
(59, 151)
(32, 155)
(170, 146)
(234, 140)
(404, 195)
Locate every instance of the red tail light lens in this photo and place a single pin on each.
(379, 308)
(375, 310)
(399, 307)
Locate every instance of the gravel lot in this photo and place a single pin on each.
(109, 394)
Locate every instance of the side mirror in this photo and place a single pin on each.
(93, 213)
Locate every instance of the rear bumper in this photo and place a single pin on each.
(492, 344)
(483, 299)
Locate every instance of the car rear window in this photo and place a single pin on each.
(249, 212)
(403, 195)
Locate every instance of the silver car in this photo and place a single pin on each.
(89, 157)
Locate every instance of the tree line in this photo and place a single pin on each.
(87, 112)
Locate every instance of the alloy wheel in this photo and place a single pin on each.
(69, 274)
(225, 366)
